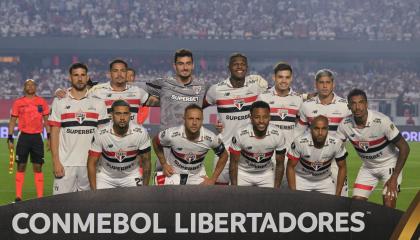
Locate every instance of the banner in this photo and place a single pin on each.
(197, 212)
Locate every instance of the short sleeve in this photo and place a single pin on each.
(144, 143)
(293, 153)
(390, 130)
(235, 146)
(211, 95)
(96, 147)
(341, 152)
(45, 107)
(164, 138)
(15, 109)
(154, 87)
(55, 117)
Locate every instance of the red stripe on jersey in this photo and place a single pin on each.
(108, 103)
(362, 186)
(73, 115)
(371, 143)
(94, 154)
(54, 123)
(233, 151)
(291, 157)
(232, 101)
(289, 110)
(112, 154)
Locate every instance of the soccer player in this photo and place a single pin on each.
(144, 110)
(380, 146)
(120, 146)
(328, 104)
(284, 103)
(73, 122)
(118, 88)
(31, 112)
(310, 158)
(188, 145)
(252, 148)
(233, 98)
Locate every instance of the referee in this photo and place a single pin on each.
(32, 112)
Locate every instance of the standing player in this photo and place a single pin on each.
(143, 111)
(380, 146)
(284, 103)
(233, 98)
(32, 112)
(73, 121)
(328, 104)
(120, 146)
(311, 155)
(253, 147)
(188, 144)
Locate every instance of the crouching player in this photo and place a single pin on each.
(310, 158)
(120, 146)
(188, 144)
(252, 149)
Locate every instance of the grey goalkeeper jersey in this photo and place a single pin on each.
(175, 97)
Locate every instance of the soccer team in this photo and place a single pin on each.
(97, 140)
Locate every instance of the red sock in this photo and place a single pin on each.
(20, 178)
(39, 183)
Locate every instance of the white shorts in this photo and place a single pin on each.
(180, 179)
(75, 179)
(367, 179)
(104, 181)
(334, 174)
(258, 179)
(224, 177)
(326, 186)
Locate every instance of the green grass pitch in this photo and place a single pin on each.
(410, 185)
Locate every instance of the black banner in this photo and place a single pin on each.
(196, 212)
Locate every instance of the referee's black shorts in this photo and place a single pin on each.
(30, 144)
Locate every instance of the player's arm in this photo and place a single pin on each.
(153, 101)
(146, 164)
(221, 152)
(341, 176)
(403, 152)
(279, 168)
(301, 125)
(48, 129)
(233, 168)
(293, 160)
(167, 169)
(57, 166)
(91, 165)
(11, 128)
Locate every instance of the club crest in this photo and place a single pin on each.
(239, 103)
(120, 155)
(364, 146)
(190, 157)
(80, 117)
(260, 157)
(196, 89)
(283, 113)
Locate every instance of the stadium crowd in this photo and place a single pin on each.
(206, 19)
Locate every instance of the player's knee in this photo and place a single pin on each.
(21, 167)
(37, 168)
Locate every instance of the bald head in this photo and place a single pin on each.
(319, 118)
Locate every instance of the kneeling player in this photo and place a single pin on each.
(380, 146)
(188, 144)
(310, 158)
(119, 145)
(252, 148)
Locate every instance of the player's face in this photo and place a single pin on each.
(184, 67)
(79, 79)
(260, 118)
(319, 131)
(238, 68)
(193, 120)
(130, 76)
(118, 73)
(121, 116)
(29, 88)
(282, 79)
(324, 86)
(358, 106)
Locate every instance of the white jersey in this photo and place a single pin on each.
(373, 143)
(78, 120)
(134, 95)
(315, 163)
(336, 111)
(188, 156)
(256, 153)
(119, 154)
(283, 110)
(233, 104)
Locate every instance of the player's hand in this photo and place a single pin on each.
(391, 188)
(219, 126)
(207, 181)
(58, 169)
(168, 170)
(60, 93)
